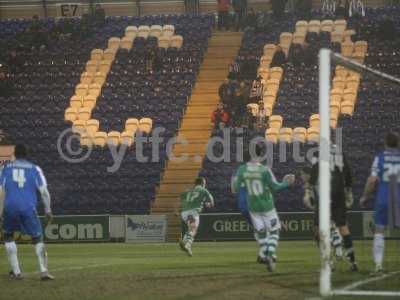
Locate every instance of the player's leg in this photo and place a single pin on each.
(272, 223)
(33, 227)
(10, 225)
(336, 241)
(192, 222)
(260, 234)
(378, 248)
(348, 246)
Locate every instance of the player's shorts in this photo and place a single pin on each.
(265, 221)
(381, 213)
(194, 213)
(338, 211)
(25, 222)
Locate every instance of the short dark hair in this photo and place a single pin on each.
(392, 140)
(20, 151)
(199, 181)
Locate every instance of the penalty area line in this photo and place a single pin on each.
(369, 280)
(72, 268)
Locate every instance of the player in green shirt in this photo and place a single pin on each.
(192, 202)
(260, 185)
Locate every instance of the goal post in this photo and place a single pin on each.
(324, 171)
(326, 57)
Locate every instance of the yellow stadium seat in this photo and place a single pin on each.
(301, 26)
(341, 71)
(145, 125)
(109, 54)
(92, 126)
(313, 134)
(131, 31)
(71, 114)
(76, 101)
(272, 135)
(127, 138)
(347, 34)
(270, 100)
(335, 107)
(327, 25)
(269, 50)
(168, 30)
(81, 89)
(105, 66)
(338, 83)
(272, 85)
(350, 95)
(340, 25)
(275, 121)
(361, 46)
(131, 125)
(347, 48)
(100, 78)
(265, 61)
(100, 138)
(358, 57)
(176, 41)
(96, 54)
(143, 31)
(164, 41)
(337, 92)
(285, 135)
(276, 73)
(300, 134)
(78, 126)
(285, 38)
(114, 43)
(86, 140)
(126, 43)
(84, 113)
(314, 120)
(333, 121)
(113, 138)
(299, 38)
(87, 78)
(91, 66)
(353, 82)
(155, 30)
(268, 107)
(314, 26)
(263, 72)
(347, 108)
(89, 101)
(337, 36)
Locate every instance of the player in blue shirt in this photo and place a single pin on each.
(385, 174)
(19, 182)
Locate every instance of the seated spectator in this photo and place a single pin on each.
(261, 115)
(99, 15)
(234, 70)
(220, 117)
(251, 19)
(340, 11)
(296, 54)
(279, 57)
(257, 90)
(248, 119)
(249, 67)
(224, 92)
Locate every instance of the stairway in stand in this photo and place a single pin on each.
(195, 128)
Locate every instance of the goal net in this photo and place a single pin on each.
(343, 283)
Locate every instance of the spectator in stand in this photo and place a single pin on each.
(340, 11)
(279, 58)
(238, 106)
(234, 70)
(220, 117)
(15, 62)
(303, 9)
(150, 57)
(223, 14)
(296, 54)
(257, 90)
(249, 67)
(224, 92)
(248, 119)
(261, 115)
(99, 15)
(251, 19)
(239, 8)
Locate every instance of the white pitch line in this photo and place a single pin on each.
(72, 268)
(369, 280)
(365, 293)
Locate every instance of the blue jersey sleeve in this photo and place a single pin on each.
(40, 180)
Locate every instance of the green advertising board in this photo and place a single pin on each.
(295, 226)
(74, 229)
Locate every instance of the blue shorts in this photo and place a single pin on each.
(381, 213)
(26, 222)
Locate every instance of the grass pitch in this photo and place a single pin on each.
(161, 271)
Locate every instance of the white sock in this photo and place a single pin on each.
(42, 256)
(12, 252)
(378, 248)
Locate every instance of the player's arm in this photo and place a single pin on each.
(308, 191)
(209, 199)
(41, 184)
(371, 182)
(276, 186)
(236, 181)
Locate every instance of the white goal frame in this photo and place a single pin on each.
(325, 285)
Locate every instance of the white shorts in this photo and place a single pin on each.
(265, 221)
(194, 213)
